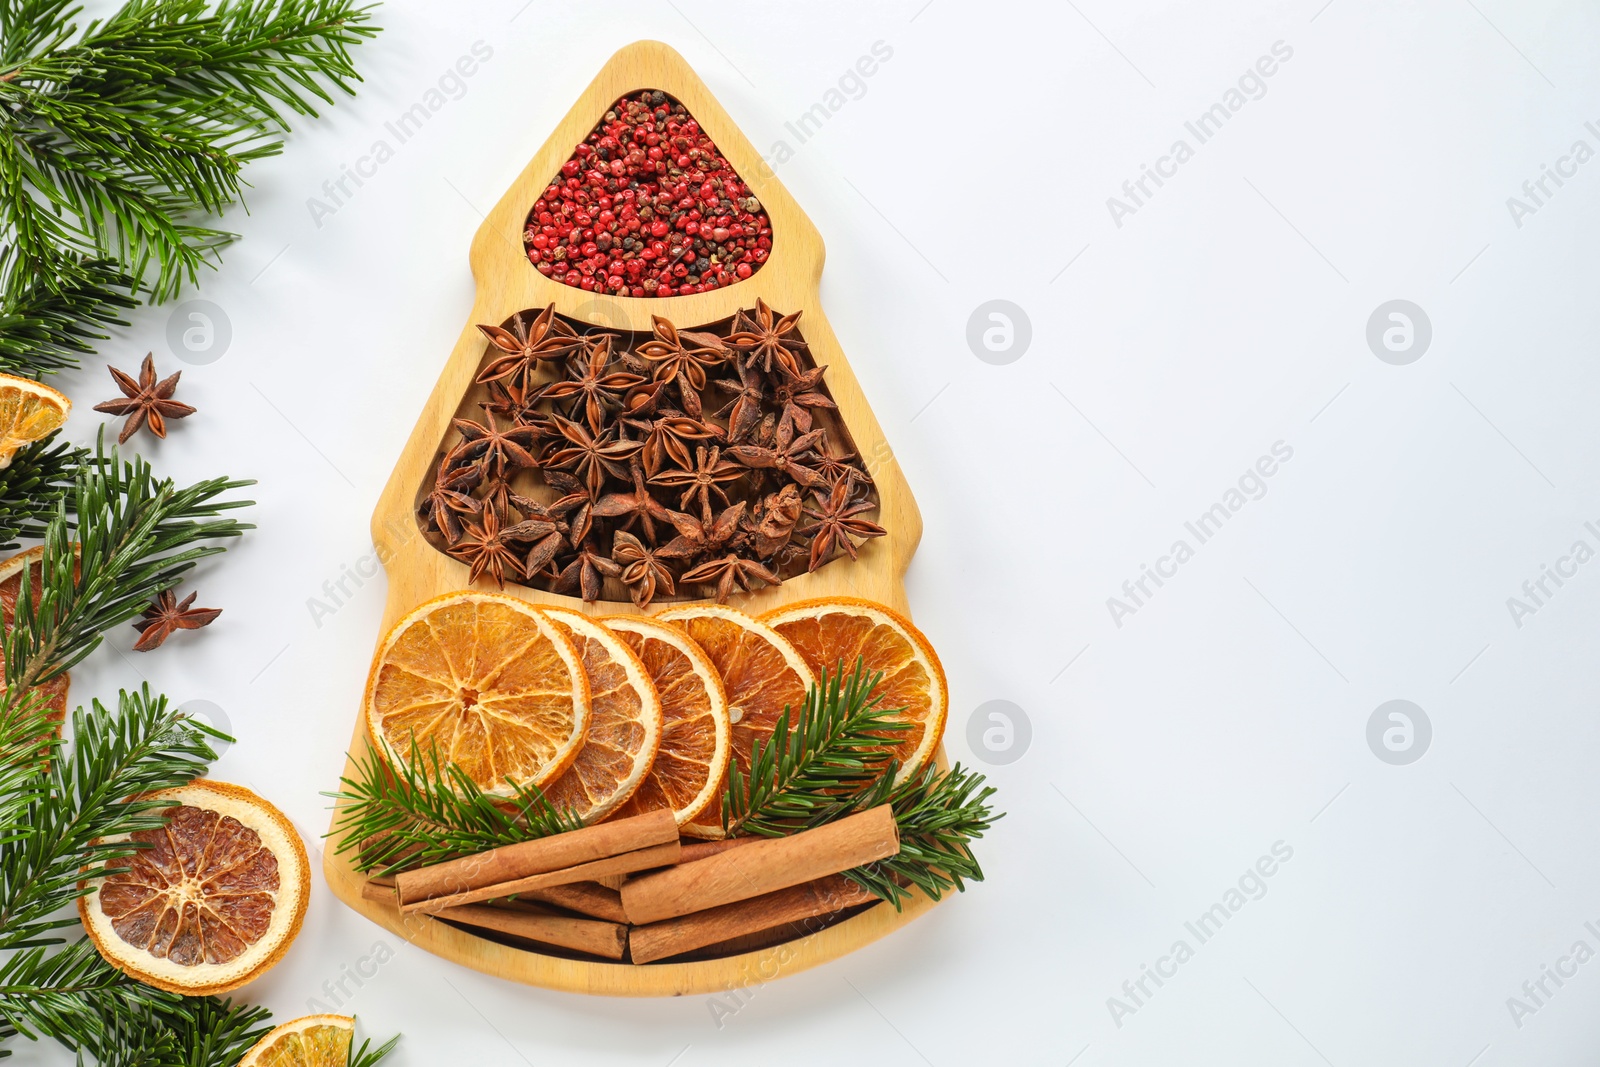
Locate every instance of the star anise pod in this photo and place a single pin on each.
(681, 364)
(730, 572)
(767, 339)
(699, 537)
(797, 395)
(545, 337)
(147, 402)
(593, 389)
(837, 519)
(451, 498)
(667, 437)
(705, 477)
(513, 402)
(545, 529)
(832, 468)
(585, 573)
(644, 569)
(490, 548)
(167, 614)
(635, 507)
(576, 504)
(770, 525)
(743, 412)
(501, 450)
(591, 457)
(788, 453)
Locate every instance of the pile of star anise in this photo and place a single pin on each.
(669, 461)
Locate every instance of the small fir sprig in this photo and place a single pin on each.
(938, 814)
(38, 477)
(396, 816)
(834, 747)
(826, 768)
(52, 311)
(120, 537)
(116, 135)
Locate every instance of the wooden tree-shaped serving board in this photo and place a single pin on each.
(417, 570)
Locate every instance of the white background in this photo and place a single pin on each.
(1228, 313)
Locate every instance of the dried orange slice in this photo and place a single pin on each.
(55, 690)
(761, 672)
(625, 727)
(211, 901)
(488, 679)
(309, 1041)
(695, 736)
(834, 629)
(29, 412)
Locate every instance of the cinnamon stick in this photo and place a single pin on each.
(582, 935)
(586, 898)
(375, 890)
(762, 867)
(545, 854)
(638, 860)
(699, 850)
(672, 937)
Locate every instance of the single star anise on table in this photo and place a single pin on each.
(837, 517)
(166, 615)
(146, 402)
(544, 337)
(595, 389)
(644, 569)
(767, 339)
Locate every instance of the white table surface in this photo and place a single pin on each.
(1226, 314)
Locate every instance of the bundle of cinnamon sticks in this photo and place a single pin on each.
(630, 889)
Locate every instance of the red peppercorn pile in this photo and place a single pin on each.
(647, 206)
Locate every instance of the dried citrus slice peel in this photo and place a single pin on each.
(834, 630)
(625, 724)
(29, 412)
(688, 772)
(761, 673)
(486, 680)
(212, 900)
(309, 1041)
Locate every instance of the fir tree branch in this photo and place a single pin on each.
(938, 816)
(48, 319)
(111, 137)
(837, 745)
(834, 763)
(38, 479)
(398, 816)
(367, 1056)
(141, 747)
(119, 538)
